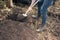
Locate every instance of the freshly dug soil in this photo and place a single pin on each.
(13, 28)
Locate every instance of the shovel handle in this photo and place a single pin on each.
(32, 6)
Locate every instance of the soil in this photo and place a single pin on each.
(17, 27)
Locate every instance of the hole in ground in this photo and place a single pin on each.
(17, 17)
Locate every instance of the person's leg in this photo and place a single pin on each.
(39, 4)
(39, 7)
(43, 10)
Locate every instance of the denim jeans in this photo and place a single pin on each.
(42, 9)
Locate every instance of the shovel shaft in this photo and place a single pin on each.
(32, 6)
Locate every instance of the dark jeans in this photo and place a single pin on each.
(42, 9)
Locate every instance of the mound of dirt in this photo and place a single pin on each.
(12, 30)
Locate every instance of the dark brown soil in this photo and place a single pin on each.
(12, 30)
(16, 27)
